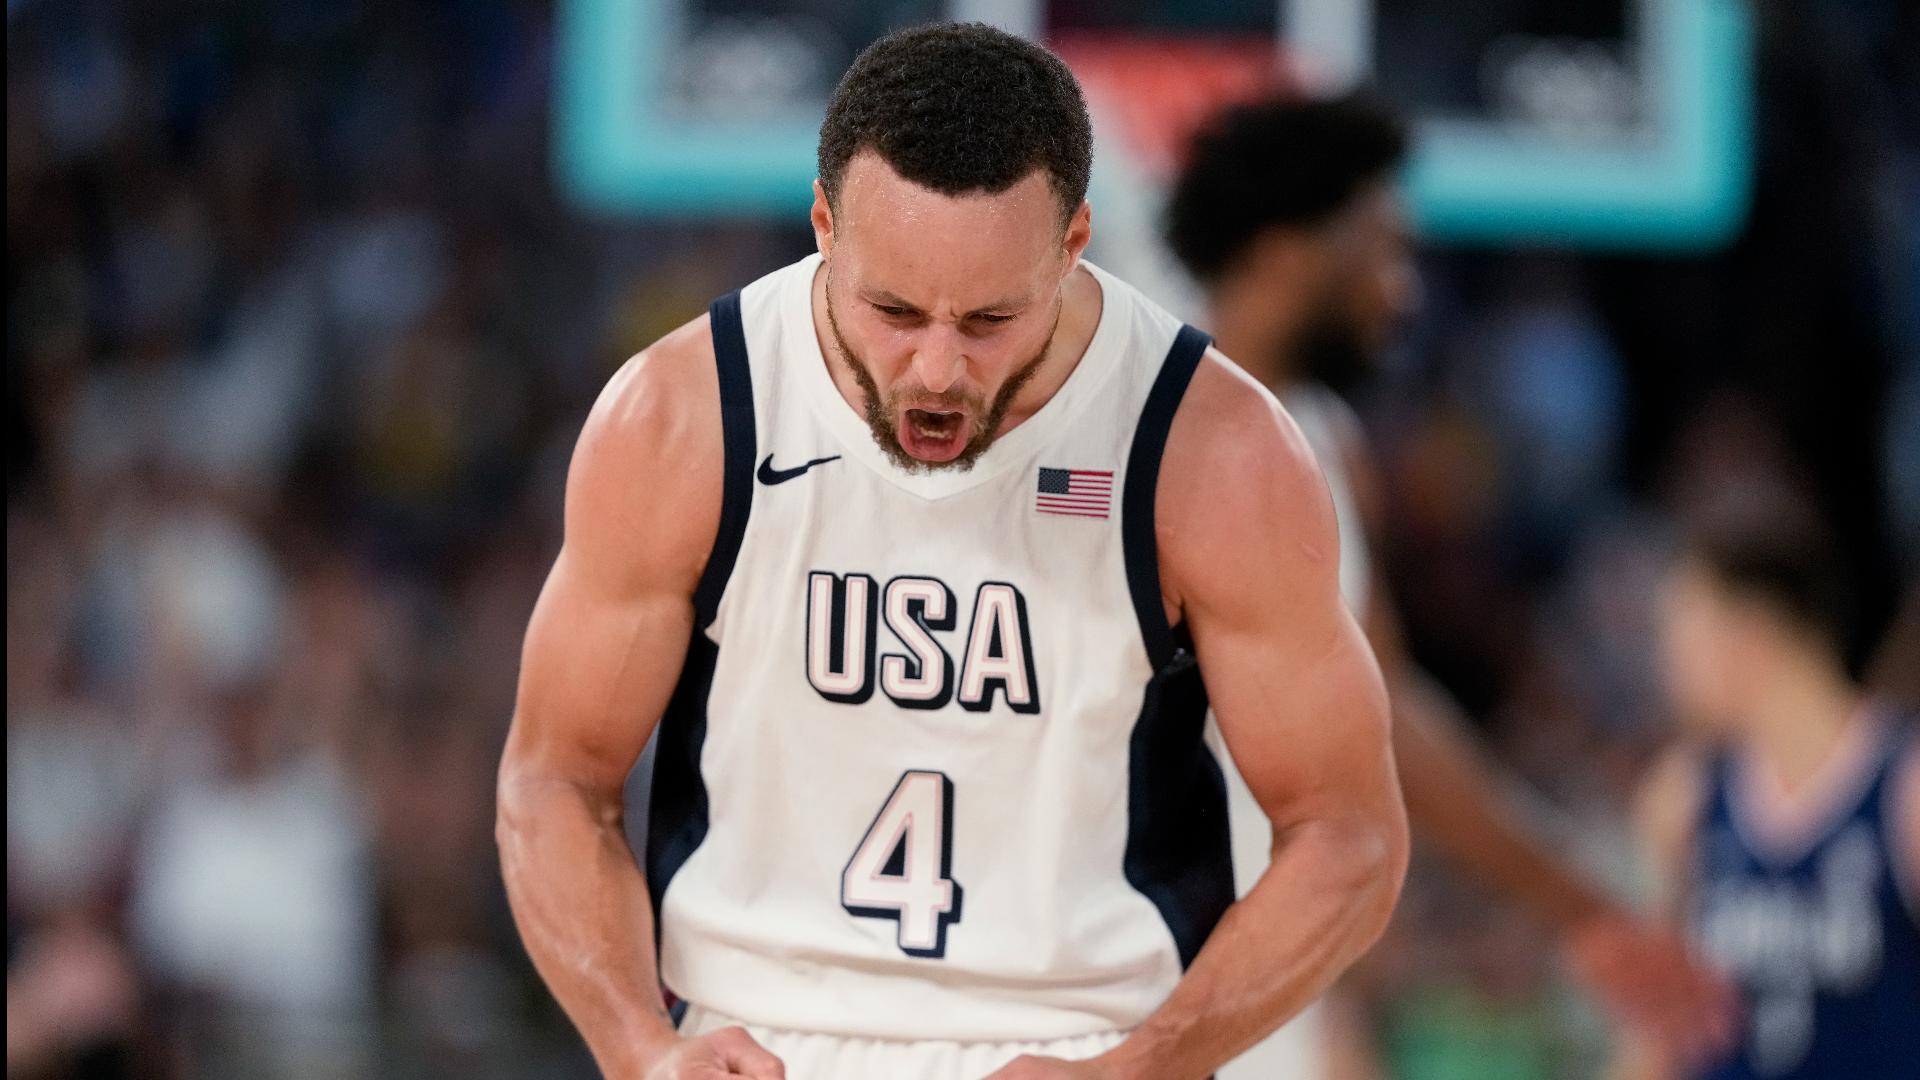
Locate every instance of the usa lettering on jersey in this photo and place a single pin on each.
(844, 664)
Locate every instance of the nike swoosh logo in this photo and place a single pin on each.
(771, 476)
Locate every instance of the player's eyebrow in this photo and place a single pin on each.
(1010, 305)
(887, 299)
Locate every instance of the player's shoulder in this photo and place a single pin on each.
(669, 385)
(1239, 495)
(1235, 454)
(650, 461)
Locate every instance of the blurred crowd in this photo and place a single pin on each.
(299, 332)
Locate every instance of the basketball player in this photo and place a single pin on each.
(916, 552)
(1286, 214)
(1789, 830)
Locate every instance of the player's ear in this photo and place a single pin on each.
(822, 217)
(1079, 231)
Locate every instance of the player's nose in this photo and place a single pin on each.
(938, 362)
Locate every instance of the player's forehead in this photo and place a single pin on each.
(871, 185)
(907, 239)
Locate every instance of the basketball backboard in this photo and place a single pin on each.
(1603, 123)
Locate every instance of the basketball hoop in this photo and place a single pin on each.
(1153, 92)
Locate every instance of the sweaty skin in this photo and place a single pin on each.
(1249, 560)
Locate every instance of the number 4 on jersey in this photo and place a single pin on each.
(900, 870)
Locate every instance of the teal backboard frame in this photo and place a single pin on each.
(1680, 183)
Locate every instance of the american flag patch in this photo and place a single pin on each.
(1074, 492)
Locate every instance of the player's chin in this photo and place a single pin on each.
(933, 436)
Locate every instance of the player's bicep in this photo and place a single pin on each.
(1294, 685)
(597, 669)
(1301, 707)
(609, 633)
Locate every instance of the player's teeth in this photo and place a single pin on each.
(931, 423)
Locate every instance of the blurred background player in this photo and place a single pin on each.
(1787, 827)
(1287, 214)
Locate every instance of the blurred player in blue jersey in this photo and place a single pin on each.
(1789, 833)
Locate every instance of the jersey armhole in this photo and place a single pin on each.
(738, 438)
(1139, 544)
(1179, 853)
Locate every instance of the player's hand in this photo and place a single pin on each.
(716, 1055)
(1653, 984)
(1033, 1067)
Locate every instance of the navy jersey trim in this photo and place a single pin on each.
(1140, 548)
(678, 808)
(737, 434)
(1179, 853)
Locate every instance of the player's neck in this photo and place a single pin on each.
(1255, 328)
(1802, 711)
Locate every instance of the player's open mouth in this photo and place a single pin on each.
(934, 435)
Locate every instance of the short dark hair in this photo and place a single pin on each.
(1278, 161)
(1779, 553)
(960, 108)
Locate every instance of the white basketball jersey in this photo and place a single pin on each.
(935, 766)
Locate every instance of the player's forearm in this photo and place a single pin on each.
(583, 910)
(1323, 901)
(1460, 802)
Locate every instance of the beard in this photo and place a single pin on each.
(882, 411)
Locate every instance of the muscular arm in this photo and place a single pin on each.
(1249, 557)
(601, 657)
